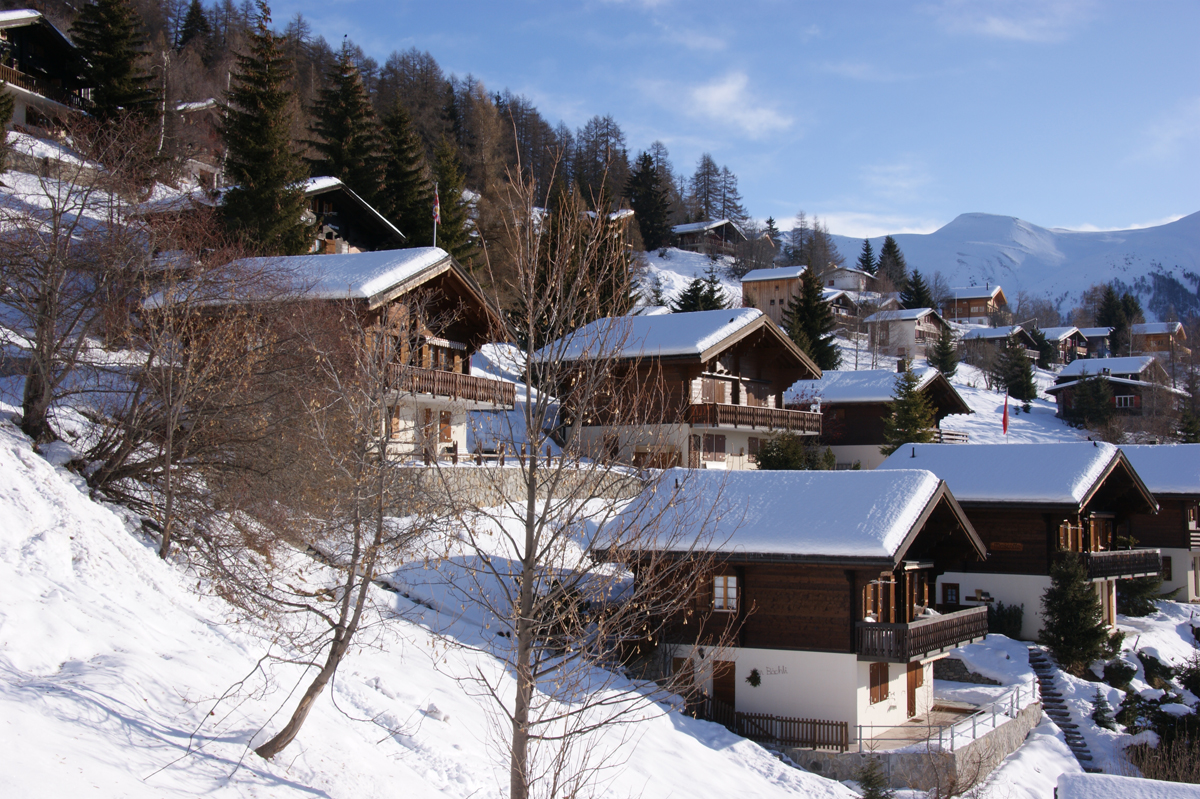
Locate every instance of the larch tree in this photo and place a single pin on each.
(866, 258)
(265, 207)
(649, 202)
(912, 418)
(809, 322)
(108, 34)
(704, 190)
(407, 195)
(347, 136)
(892, 264)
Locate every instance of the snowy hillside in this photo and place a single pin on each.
(1161, 264)
(117, 678)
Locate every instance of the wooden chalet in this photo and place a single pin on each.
(905, 333)
(718, 236)
(1139, 384)
(855, 404)
(1162, 339)
(1097, 341)
(770, 290)
(438, 316)
(1029, 503)
(700, 389)
(197, 131)
(822, 589)
(981, 343)
(849, 279)
(1172, 473)
(1070, 342)
(974, 304)
(41, 69)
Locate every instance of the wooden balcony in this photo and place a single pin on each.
(1123, 564)
(713, 414)
(950, 437)
(37, 86)
(903, 643)
(415, 380)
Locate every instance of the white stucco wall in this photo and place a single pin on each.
(405, 435)
(1011, 589)
(867, 455)
(892, 711)
(1183, 573)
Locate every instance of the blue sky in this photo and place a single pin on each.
(879, 117)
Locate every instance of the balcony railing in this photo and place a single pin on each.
(712, 414)
(950, 437)
(903, 643)
(38, 86)
(417, 380)
(1123, 563)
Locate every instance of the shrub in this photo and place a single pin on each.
(1118, 673)
(873, 781)
(1102, 712)
(1189, 674)
(1158, 674)
(1174, 761)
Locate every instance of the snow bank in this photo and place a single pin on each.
(1112, 786)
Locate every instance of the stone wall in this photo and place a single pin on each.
(491, 485)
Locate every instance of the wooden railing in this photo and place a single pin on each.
(1123, 563)
(778, 730)
(950, 437)
(902, 643)
(417, 380)
(38, 86)
(713, 414)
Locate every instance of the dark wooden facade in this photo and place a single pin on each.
(861, 423)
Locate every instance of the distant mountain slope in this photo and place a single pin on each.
(1159, 264)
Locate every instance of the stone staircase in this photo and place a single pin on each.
(1056, 708)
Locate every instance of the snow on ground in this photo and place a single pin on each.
(672, 269)
(1167, 634)
(1033, 770)
(1110, 786)
(113, 669)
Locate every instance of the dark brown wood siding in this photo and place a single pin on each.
(1168, 528)
(1018, 542)
(797, 607)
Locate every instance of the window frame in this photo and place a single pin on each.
(723, 586)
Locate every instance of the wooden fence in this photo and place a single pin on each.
(778, 730)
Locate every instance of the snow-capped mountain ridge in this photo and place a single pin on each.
(1160, 264)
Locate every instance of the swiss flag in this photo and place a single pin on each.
(1006, 413)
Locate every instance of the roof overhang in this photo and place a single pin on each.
(940, 495)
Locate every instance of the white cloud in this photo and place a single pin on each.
(860, 70)
(1174, 132)
(864, 225)
(1087, 227)
(1018, 20)
(692, 38)
(727, 101)
(901, 181)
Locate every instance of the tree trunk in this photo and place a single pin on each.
(292, 728)
(35, 406)
(519, 764)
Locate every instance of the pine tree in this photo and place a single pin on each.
(702, 294)
(196, 29)
(454, 232)
(866, 258)
(108, 34)
(407, 195)
(912, 418)
(648, 199)
(872, 781)
(892, 264)
(916, 293)
(1102, 712)
(1189, 428)
(7, 105)
(266, 205)
(944, 356)
(790, 452)
(1074, 627)
(348, 139)
(809, 322)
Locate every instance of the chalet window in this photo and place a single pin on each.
(1125, 401)
(772, 302)
(714, 447)
(445, 433)
(725, 593)
(879, 682)
(1166, 568)
(949, 593)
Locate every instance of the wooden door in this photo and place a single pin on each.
(724, 684)
(916, 678)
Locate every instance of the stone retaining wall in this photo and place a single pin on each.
(492, 486)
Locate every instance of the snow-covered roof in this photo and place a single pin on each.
(1167, 468)
(18, 16)
(991, 333)
(198, 105)
(1156, 328)
(1132, 365)
(852, 270)
(1055, 474)
(1095, 332)
(851, 514)
(1113, 786)
(649, 336)
(1119, 381)
(782, 273)
(1059, 333)
(867, 385)
(904, 315)
(650, 310)
(975, 292)
(697, 227)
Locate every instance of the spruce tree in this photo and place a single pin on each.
(912, 418)
(648, 199)
(809, 322)
(348, 141)
(1102, 712)
(944, 355)
(1074, 627)
(773, 232)
(866, 258)
(1111, 313)
(7, 105)
(916, 293)
(702, 294)
(1014, 371)
(196, 29)
(1047, 351)
(1091, 403)
(892, 264)
(872, 780)
(453, 232)
(407, 195)
(108, 34)
(265, 207)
